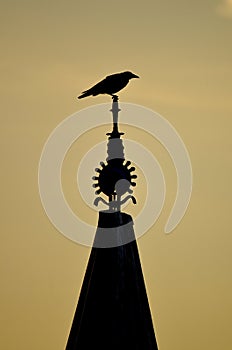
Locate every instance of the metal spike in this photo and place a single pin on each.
(98, 192)
(133, 200)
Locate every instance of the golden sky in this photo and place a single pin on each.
(50, 52)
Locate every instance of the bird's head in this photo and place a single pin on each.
(130, 75)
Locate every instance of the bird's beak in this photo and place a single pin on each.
(135, 76)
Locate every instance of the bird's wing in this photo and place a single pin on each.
(112, 76)
(96, 89)
(111, 84)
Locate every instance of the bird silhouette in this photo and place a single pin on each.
(110, 85)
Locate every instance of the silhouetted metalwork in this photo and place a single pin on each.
(110, 85)
(113, 310)
(115, 175)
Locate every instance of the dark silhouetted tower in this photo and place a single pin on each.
(113, 310)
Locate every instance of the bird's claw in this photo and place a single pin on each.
(114, 98)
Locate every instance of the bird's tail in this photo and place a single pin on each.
(84, 94)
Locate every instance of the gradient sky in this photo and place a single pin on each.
(50, 52)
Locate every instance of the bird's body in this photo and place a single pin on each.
(110, 85)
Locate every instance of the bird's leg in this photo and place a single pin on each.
(114, 98)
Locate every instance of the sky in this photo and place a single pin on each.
(53, 50)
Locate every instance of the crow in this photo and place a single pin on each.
(110, 85)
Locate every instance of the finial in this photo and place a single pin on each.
(115, 110)
(115, 176)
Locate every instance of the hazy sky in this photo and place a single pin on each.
(50, 52)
